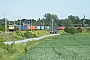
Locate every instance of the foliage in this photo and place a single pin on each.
(79, 30)
(70, 30)
(11, 36)
(29, 34)
(19, 33)
(67, 22)
(62, 32)
(2, 28)
(48, 19)
(74, 19)
(0, 32)
(88, 30)
(84, 31)
(13, 51)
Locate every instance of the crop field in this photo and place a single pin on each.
(62, 47)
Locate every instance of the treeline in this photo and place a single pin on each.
(47, 21)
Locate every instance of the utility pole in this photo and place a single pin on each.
(5, 23)
(31, 25)
(23, 26)
(14, 22)
(43, 24)
(20, 23)
(14, 25)
(52, 24)
(9, 22)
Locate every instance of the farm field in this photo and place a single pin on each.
(62, 47)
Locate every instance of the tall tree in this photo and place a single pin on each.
(48, 18)
(75, 19)
(67, 22)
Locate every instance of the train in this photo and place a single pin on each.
(29, 27)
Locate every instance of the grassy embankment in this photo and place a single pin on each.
(63, 47)
(12, 36)
(12, 52)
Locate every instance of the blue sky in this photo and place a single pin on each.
(14, 9)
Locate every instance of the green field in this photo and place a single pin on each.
(62, 47)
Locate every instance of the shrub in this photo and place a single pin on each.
(70, 30)
(28, 34)
(25, 49)
(88, 30)
(0, 32)
(19, 33)
(66, 29)
(33, 35)
(79, 30)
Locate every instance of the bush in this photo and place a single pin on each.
(70, 30)
(88, 30)
(29, 34)
(2, 28)
(63, 32)
(79, 30)
(0, 32)
(66, 29)
(33, 35)
(19, 33)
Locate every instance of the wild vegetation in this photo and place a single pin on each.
(19, 35)
(72, 30)
(13, 51)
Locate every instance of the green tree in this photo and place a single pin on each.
(74, 19)
(48, 18)
(67, 23)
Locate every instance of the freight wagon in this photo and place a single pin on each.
(47, 28)
(23, 27)
(40, 28)
(61, 27)
(31, 27)
(55, 27)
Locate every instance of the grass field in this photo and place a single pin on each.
(63, 47)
